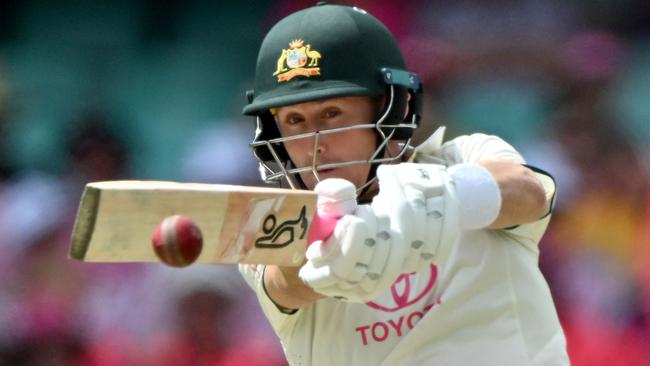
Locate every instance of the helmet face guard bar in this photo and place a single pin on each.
(275, 164)
(284, 171)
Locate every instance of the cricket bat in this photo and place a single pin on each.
(258, 225)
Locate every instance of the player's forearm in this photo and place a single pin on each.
(286, 289)
(522, 194)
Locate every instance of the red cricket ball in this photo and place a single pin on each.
(177, 241)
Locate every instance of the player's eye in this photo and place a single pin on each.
(293, 119)
(331, 113)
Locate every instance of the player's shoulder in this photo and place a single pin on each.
(480, 146)
(468, 148)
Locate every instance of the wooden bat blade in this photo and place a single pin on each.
(116, 219)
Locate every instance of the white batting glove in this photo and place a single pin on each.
(430, 204)
(371, 244)
(412, 222)
(423, 210)
(342, 266)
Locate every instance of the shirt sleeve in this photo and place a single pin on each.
(254, 276)
(476, 147)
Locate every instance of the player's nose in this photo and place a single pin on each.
(319, 144)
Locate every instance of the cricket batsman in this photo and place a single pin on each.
(434, 257)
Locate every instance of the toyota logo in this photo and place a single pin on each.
(403, 292)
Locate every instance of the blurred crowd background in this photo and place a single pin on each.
(148, 89)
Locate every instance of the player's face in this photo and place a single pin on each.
(357, 144)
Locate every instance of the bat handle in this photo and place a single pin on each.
(336, 198)
(321, 228)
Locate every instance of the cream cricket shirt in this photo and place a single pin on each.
(488, 304)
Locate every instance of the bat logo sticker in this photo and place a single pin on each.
(278, 236)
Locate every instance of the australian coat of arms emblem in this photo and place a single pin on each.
(298, 60)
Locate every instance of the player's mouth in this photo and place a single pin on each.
(329, 173)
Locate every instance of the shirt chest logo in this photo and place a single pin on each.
(404, 292)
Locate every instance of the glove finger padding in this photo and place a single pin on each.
(405, 205)
(415, 261)
(378, 242)
(420, 182)
(317, 277)
(352, 265)
(338, 255)
(320, 253)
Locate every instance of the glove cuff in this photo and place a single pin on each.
(478, 193)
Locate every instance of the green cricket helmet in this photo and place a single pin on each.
(323, 52)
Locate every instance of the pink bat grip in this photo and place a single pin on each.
(321, 228)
